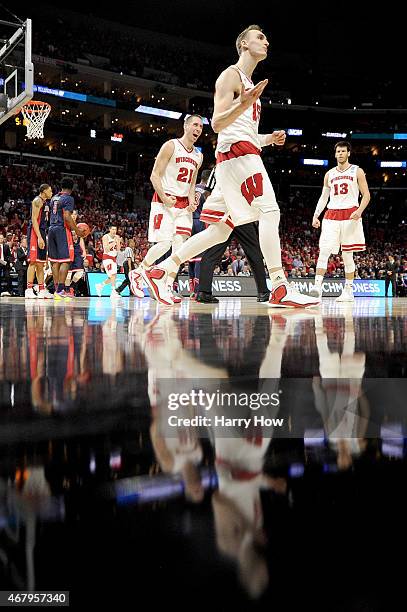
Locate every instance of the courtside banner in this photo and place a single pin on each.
(99, 277)
(332, 287)
(245, 286)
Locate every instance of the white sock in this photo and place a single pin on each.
(214, 234)
(269, 239)
(348, 283)
(277, 278)
(155, 252)
(318, 280)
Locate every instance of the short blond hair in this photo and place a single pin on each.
(189, 119)
(243, 35)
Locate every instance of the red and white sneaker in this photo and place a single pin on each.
(176, 298)
(136, 283)
(286, 296)
(157, 281)
(44, 294)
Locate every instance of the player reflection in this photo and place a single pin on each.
(338, 390)
(177, 450)
(58, 367)
(254, 353)
(239, 460)
(25, 499)
(113, 354)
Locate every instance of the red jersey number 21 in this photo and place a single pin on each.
(183, 175)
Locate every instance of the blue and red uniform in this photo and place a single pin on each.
(37, 255)
(60, 241)
(77, 263)
(194, 267)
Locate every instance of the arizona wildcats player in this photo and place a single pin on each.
(60, 242)
(342, 226)
(173, 177)
(37, 243)
(243, 191)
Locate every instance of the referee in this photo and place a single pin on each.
(126, 260)
(248, 237)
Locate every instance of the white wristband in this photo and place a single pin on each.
(262, 139)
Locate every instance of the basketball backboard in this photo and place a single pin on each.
(16, 67)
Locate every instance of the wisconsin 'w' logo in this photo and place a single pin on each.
(252, 187)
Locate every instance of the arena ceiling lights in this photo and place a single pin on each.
(314, 162)
(392, 164)
(334, 134)
(394, 136)
(159, 112)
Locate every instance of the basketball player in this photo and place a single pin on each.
(60, 243)
(243, 191)
(77, 268)
(111, 246)
(338, 394)
(342, 224)
(37, 239)
(173, 178)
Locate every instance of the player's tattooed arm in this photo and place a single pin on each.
(72, 224)
(36, 207)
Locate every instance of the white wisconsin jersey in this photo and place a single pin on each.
(344, 188)
(246, 126)
(111, 246)
(178, 174)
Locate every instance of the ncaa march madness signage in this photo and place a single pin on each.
(245, 286)
(332, 287)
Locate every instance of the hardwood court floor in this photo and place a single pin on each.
(99, 496)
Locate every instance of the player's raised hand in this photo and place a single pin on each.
(278, 137)
(81, 233)
(169, 201)
(247, 98)
(316, 222)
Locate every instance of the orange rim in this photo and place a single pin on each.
(35, 105)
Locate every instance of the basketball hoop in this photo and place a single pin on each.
(35, 114)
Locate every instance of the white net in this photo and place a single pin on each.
(35, 114)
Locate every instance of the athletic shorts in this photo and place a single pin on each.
(166, 222)
(36, 255)
(110, 266)
(77, 264)
(243, 189)
(60, 244)
(338, 232)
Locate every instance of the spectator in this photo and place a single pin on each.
(391, 275)
(237, 265)
(5, 265)
(21, 266)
